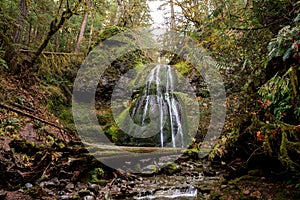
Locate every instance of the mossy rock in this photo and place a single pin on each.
(192, 153)
(171, 168)
(106, 33)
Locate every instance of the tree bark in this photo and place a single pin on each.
(118, 13)
(91, 34)
(83, 26)
(21, 18)
(54, 27)
(28, 38)
(172, 21)
(56, 41)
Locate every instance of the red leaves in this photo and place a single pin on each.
(259, 136)
(266, 104)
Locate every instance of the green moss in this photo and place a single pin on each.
(33, 192)
(284, 157)
(95, 176)
(171, 168)
(192, 153)
(109, 31)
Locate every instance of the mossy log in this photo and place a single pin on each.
(289, 143)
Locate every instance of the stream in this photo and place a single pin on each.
(189, 180)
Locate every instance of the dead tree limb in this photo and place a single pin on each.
(30, 116)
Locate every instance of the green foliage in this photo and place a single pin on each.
(278, 92)
(107, 33)
(280, 95)
(3, 64)
(9, 125)
(282, 91)
(285, 44)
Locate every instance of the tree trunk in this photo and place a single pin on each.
(12, 51)
(91, 35)
(118, 13)
(57, 41)
(83, 26)
(54, 27)
(172, 21)
(21, 18)
(28, 38)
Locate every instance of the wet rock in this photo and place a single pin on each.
(94, 188)
(140, 179)
(117, 181)
(131, 184)
(53, 183)
(89, 197)
(65, 197)
(21, 190)
(171, 168)
(209, 173)
(123, 188)
(61, 192)
(28, 185)
(150, 170)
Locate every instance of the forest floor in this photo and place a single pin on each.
(41, 161)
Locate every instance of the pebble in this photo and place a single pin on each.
(140, 179)
(21, 190)
(89, 197)
(65, 197)
(61, 192)
(131, 184)
(70, 186)
(28, 185)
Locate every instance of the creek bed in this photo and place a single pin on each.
(191, 182)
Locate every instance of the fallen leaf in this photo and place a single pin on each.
(246, 192)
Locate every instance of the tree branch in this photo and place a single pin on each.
(54, 27)
(30, 116)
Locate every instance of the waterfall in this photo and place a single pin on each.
(158, 96)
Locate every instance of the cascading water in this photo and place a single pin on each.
(159, 97)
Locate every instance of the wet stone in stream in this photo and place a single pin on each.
(189, 183)
(183, 192)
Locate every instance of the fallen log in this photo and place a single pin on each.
(30, 116)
